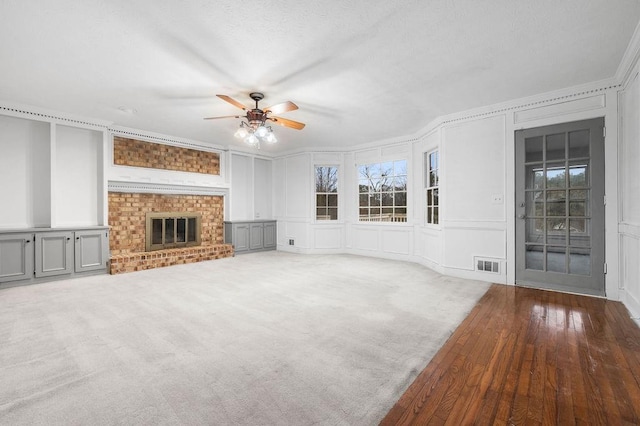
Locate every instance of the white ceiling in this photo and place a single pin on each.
(360, 71)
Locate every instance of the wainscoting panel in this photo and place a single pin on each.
(327, 237)
(630, 272)
(365, 239)
(463, 243)
(428, 245)
(396, 241)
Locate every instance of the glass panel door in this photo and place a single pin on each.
(559, 230)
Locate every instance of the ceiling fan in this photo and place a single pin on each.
(254, 127)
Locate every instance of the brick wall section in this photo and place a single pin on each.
(132, 152)
(160, 258)
(127, 216)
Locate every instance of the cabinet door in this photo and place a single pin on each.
(54, 253)
(240, 237)
(16, 257)
(269, 235)
(256, 239)
(91, 251)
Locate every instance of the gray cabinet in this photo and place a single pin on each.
(238, 235)
(256, 237)
(91, 250)
(252, 235)
(270, 235)
(54, 253)
(44, 254)
(16, 257)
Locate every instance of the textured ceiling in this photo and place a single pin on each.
(360, 71)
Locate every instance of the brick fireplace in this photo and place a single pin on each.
(127, 219)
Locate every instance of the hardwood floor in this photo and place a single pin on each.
(526, 356)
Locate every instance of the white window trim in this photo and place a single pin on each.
(339, 193)
(426, 187)
(357, 221)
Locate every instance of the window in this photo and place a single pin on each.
(382, 191)
(432, 183)
(326, 193)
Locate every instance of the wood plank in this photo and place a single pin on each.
(526, 356)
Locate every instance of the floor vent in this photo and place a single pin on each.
(488, 265)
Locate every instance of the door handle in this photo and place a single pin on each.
(521, 216)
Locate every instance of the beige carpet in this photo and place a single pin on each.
(260, 339)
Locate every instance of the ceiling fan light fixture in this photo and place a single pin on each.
(254, 130)
(241, 132)
(262, 131)
(271, 137)
(251, 139)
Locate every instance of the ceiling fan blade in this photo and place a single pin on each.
(281, 107)
(224, 116)
(287, 123)
(232, 102)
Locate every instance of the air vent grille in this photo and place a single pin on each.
(488, 265)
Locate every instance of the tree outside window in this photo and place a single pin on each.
(326, 193)
(382, 189)
(432, 183)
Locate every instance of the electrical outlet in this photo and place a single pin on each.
(290, 242)
(497, 198)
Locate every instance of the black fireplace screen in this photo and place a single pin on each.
(170, 230)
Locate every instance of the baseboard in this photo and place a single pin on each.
(632, 305)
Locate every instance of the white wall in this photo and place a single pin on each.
(292, 183)
(76, 187)
(241, 188)
(25, 168)
(473, 174)
(251, 195)
(262, 195)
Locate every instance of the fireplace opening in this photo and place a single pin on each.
(171, 230)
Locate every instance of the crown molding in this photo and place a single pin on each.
(630, 58)
(158, 188)
(42, 114)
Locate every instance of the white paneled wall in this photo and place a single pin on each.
(252, 193)
(473, 171)
(629, 175)
(262, 194)
(293, 197)
(298, 185)
(25, 170)
(473, 193)
(241, 188)
(77, 187)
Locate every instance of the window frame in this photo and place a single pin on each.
(386, 191)
(336, 193)
(432, 188)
